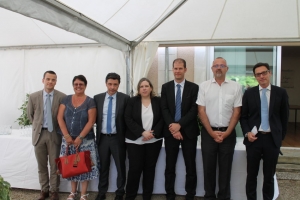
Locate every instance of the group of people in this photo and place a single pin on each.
(137, 125)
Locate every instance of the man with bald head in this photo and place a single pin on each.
(219, 106)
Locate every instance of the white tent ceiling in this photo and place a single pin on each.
(199, 22)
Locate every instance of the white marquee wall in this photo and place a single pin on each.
(22, 72)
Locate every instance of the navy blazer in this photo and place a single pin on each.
(189, 108)
(278, 113)
(121, 102)
(133, 118)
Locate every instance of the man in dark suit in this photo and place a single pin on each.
(179, 109)
(110, 136)
(45, 139)
(264, 118)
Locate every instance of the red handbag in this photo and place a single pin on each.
(75, 164)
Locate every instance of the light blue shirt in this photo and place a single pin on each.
(45, 124)
(113, 116)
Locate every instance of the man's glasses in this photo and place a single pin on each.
(262, 73)
(78, 84)
(219, 66)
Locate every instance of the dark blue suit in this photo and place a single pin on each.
(266, 146)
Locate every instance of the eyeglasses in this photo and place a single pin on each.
(262, 73)
(219, 66)
(78, 84)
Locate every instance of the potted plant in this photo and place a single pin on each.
(23, 120)
(4, 189)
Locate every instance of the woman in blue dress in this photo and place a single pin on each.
(76, 117)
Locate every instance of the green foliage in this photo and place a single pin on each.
(4, 189)
(23, 120)
(246, 81)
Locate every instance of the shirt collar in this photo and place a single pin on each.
(268, 88)
(114, 95)
(51, 93)
(214, 80)
(181, 84)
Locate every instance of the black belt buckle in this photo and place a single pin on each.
(44, 129)
(219, 128)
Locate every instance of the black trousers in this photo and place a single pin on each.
(262, 148)
(109, 145)
(213, 153)
(189, 147)
(142, 159)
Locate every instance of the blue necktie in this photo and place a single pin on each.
(49, 114)
(264, 110)
(178, 104)
(109, 115)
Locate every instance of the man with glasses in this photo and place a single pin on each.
(219, 106)
(264, 119)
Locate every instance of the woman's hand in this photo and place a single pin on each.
(147, 135)
(77, 142)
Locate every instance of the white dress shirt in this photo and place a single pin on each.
(219, 100)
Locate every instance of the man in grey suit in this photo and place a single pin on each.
(45, 139)
(110, 136)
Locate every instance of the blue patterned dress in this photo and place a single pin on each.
(76, 119)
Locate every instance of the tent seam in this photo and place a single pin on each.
(218, 20)
(116, 12)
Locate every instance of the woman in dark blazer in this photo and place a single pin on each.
(143, 139)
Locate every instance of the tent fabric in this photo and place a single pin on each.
(195, 22)
(43, 11)
(143, 57)
(24, 71)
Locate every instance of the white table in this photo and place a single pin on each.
(18, 166)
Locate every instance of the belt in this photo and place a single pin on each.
(219, 128)
(109, 134)
(263, 132)
(44, 129)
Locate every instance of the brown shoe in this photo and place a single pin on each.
(43, 195)
(54, 196)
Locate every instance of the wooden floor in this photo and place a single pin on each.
(292, 138)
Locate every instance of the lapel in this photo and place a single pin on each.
(171, 89)
(257, 98)
(100, 104)
(117, 104)
(272, 99)
(55, 101)
(186, 92)
(138, 109)
(41, 101)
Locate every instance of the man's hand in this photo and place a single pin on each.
(177, 135)
(251, 137)
(174, 127)
(217, 136)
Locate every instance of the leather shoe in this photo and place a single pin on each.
(54, 196)
(100, 197)
(119, 197)
(43, 195)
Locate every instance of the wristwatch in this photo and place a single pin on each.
(246, 135)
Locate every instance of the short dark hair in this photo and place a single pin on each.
(259, 65)
(113, 76)
(81, 78)
(180, 60)
(48, 72)
(152, 94)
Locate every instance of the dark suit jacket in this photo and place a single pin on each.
(188, 121)
(133, 118)
(121, 102)
(278, 113)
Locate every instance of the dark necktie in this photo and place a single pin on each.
(178, 103)
(109, 115)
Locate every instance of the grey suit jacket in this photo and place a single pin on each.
(35, 112)
(121, 103)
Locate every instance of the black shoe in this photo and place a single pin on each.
(119, 197)
(100, 197)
